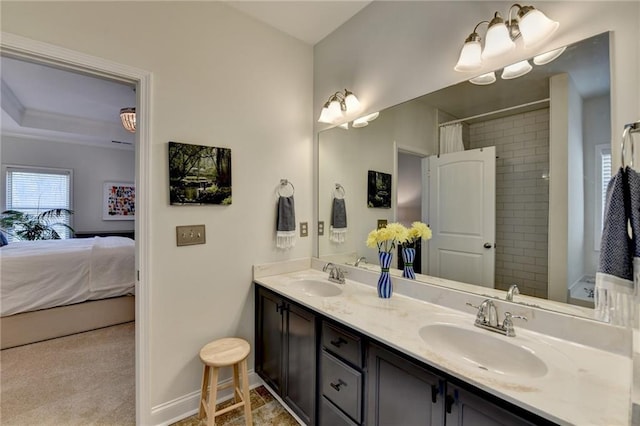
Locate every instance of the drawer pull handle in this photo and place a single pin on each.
(336, 386)
(338, 342)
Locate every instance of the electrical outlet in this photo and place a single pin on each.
(321, 228)
(304, 229)
(382, 223)
(189, 235)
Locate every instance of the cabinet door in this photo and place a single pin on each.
(300, 362)
(400, 392)
(466, 409)
(269, 332)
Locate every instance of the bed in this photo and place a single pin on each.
(54, 288)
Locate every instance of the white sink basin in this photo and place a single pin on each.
(484, 350)
(316, 287)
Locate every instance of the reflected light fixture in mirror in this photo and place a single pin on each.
(128, 118)
(530, 24)
(516, 70)
(484, 79)
(364, 121)
(547, 57)
(337, 106)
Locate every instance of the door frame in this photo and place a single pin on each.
(29, 49)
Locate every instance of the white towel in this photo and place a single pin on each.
(615, 292)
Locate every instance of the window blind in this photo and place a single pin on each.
(33, 190)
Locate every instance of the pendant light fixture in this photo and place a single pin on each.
(498, 41)
(337, 106)
(534, 25)
(128, 118)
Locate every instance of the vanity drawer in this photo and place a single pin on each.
(342, 343)
(342, 385)
(330, 415)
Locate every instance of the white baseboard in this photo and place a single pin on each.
(187, 405)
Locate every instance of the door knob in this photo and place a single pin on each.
(488, 245)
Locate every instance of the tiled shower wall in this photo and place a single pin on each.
(522, 197)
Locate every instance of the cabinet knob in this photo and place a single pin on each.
(338, 342)
(336, 386)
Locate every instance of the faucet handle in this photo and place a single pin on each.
(507, 324)
(327, 266)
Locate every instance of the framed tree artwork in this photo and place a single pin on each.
(379, 190)
(199, 175)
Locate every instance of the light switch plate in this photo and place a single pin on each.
(321, 228)
(304, 229)
(382, 223)
(189, 235)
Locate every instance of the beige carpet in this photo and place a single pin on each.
(84, 379)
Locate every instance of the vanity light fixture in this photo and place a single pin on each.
(484, 79)
(364, 121)
(128, 118)
(516, 70)
(337, 106)
(547, 57)
(529, 23)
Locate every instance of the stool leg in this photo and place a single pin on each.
(236, 384)
(203, 392)
(213, 396)
(245, 393)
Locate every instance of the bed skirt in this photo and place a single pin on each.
(31, 327)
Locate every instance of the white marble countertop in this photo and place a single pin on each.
(583, 385)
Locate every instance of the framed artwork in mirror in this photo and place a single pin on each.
(379, 190)
(199, 175)
(119, 201)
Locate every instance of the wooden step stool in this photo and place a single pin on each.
(227, 352)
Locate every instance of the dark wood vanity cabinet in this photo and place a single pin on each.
(361, 381)
(400, 392)
(286, 351)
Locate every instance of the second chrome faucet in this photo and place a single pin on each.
(487, 318)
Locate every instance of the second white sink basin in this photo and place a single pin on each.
(484, 350)
(316, 287)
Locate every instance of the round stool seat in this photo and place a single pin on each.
(224, 352)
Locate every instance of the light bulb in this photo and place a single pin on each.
(350, 100)
(470, 59)
(497, 40)
(516, 70)
(535, 26)
(484, 79)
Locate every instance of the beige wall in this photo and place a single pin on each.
(219, 79)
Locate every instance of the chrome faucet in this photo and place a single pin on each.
(336, 274)
(487, 318)
(513, 291)
(360, 259)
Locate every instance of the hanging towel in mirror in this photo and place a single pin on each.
(614, 290)
(286, 223)
(338, 229)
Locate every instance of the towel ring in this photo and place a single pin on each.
(626, 134)
(339, 192)
(284, 183)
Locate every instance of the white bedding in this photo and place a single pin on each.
(44, 274)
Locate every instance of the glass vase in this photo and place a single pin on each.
(385, 288)
(408, 256)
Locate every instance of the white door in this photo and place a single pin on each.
(462, 216)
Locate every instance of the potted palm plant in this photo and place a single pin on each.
(40, 226)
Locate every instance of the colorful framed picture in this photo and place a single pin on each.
(199, 175)
(119, 201)
(379, 189)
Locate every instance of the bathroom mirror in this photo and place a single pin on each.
(551, 130)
